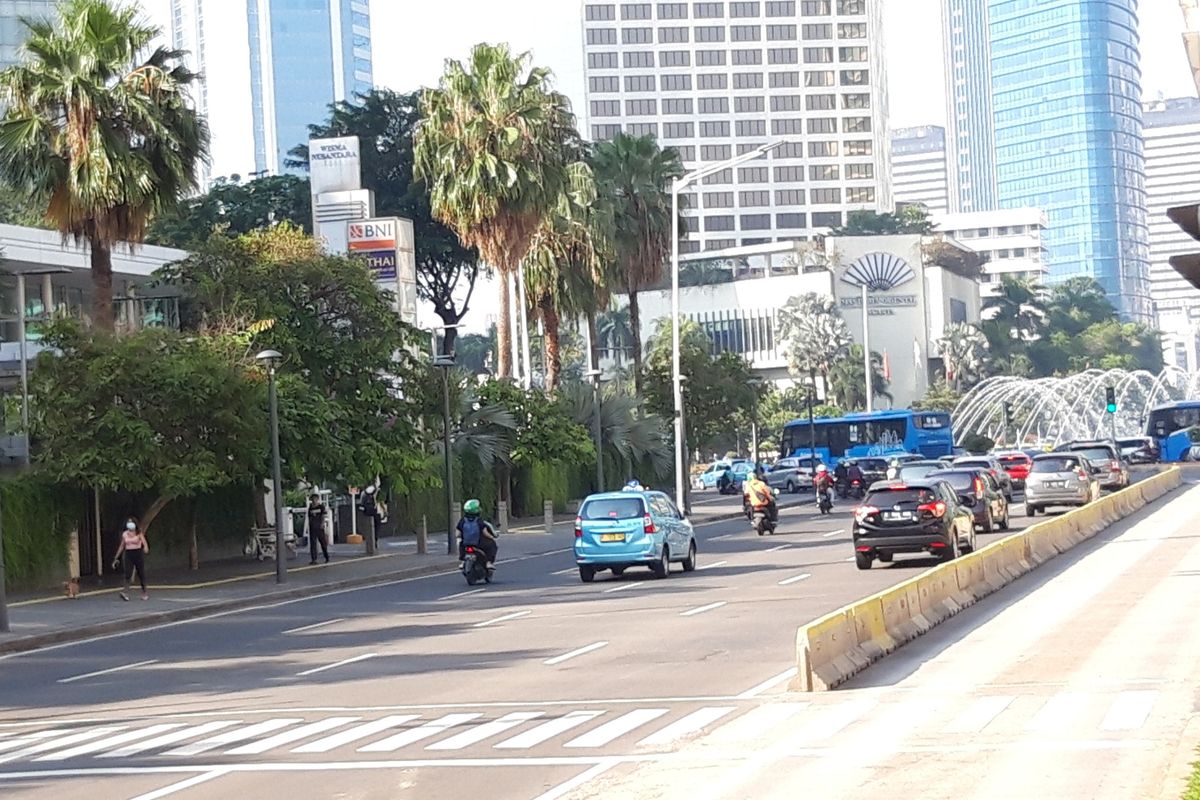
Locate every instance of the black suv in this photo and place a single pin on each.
(919, 517)
(980, 492)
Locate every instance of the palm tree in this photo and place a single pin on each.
(491, 149)
(964, 352)
(615, 332)
(634, 175)
(846, 379)
(815, 334)
(1019, 308)
(101, 138)
(629, 438)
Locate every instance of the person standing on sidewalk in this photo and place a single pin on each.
(316, 528)
(134, 547)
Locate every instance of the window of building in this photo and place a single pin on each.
(822, 149)
(637, 35)
(827, 219)
(602, 133)
(754, 199)
(748, 105)
(753, 175)
(856, 101)
(667, 58)
(1018, 252)
(687, 154)
(860, 172)
(708, 10)
(601, 35)
(747, 80)
(600, 13)
(788, 150)
(710, 58)
(818, 55)
(789, 197)
(850, 7)
(606, 108)
(607, 83)
(602, 61)
(672, 11)
(679, 130)
(713, 130)
(689, 246)
(677, 105)
(852, 55)
(714, 105)
(820, 102)
(710, 33)
(715, 152)
(783, 55)
(722, 178)
(791, 220)
(636, 11)
(718, 199)
(813, 78)
(822, 125)
(814, 32)
(784, 9)
(639, 83)
(824, 172)
(741, 10)
(642, 59)
(711, 82)
(781, 33)
(856, 125)
(719, 223)
(719, 244)
(784, 80)
(756, 222)
(745, 33)
(641, 108)
(859, 147)
(855, 77)
(788, 175)
(787, 127)
(642, 129)
(676, 83)
(821, 197)
(747, 57)
(676, 35)
(750, 242)
(751, 127)
(852, 30)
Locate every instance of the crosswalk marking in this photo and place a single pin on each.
(980, 714)
(66, 741)
(616, 728)
(170, 738)
(548, 730)
(485, 731)
(1058, 711)
(29, 738)
(288, 737)
(95, 747)
(417, 734)
(1129, 711)
(232, 737)
(693, 722)
(355, 734)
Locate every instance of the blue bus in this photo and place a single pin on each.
(880, 433)
(1175, 429)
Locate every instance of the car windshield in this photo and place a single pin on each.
(1131, 442)
(972, 462)
(1013, 460)
(1094, 453)
(873, 464)
(909, 497)
(613, 508)
(908, 473)
(959, 480)
(1063, 464)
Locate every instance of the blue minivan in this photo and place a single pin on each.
(632, 528)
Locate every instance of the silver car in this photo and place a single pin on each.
(1059, 479)
(792, 474)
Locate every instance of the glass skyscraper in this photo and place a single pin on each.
(12, 30)
(970, 139)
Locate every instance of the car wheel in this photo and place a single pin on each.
(989, 525)
(587, 573)
(689, 563)
(791, 488)
(1030, 511)
(886, 558)
(952, 552)
(1005, 521)
(863, 560)
(662, 567)
(618, 571)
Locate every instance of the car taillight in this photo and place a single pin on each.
(578, 527)
(937, 509)
(979, 488)
(862, 512)
(648, 525)
(1113, 466)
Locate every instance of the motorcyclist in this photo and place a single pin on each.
(854, 473)
(840, 479)
(475, 531)
(725, 481)
(759, 495)
(893, 470)
(822, 481)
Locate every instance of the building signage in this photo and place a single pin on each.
(879, 272)
(375, 242)
(333, 165)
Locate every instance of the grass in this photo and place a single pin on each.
(1192, 792)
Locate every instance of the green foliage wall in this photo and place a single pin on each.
(38, 519)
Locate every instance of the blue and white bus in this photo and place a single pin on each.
(880, 433)
(1175, 429)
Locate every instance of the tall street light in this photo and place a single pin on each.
(593, 375)
(867, 351)
(22, 334)
(446, 363)
(677, 186)
(270, 360)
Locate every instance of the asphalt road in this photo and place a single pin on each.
(423, 687)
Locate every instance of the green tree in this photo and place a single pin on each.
(476, 353)
(615, 332)
(491, 148)
(964, 352)
(847, 384)
(1076, 304)
(908, 219)
(386, 123)
(634, 176)
(234, 207)
(98, 137)
(940, 397)
(633, 442)
(1017, 313)
(16, 209)
(815, 333)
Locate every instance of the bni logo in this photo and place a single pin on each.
(372, 230)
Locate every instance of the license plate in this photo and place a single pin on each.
(612, 537)
(1056, 484)
(896, 516)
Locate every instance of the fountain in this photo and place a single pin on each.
(1049, 411)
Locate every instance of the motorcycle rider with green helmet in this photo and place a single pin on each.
(474, 530)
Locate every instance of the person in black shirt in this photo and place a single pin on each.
(316, 528)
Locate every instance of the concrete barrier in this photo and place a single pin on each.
(831, 649)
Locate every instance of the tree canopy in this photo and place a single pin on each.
(235, 208)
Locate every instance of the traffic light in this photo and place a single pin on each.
(1110, 400)
(1008, 413)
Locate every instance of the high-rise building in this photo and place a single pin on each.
(717, 79)
(12, 30)
(299, 57)
(971, 142)
(1011, 239)
(919, 167)
(1172, 133)
(1066, 104)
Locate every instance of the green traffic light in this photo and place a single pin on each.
(1112, 408)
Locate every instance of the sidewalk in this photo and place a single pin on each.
(50, 617)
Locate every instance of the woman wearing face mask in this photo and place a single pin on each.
(134, 546)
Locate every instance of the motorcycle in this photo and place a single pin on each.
(475, 567)
(857, 490)
(825, 501)
(762, 522)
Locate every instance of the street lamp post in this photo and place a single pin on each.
(446, 363)
(594, 376)
(270, 359)
(867, 352)
(756, 385)
(677, 186)
(22, 333)
(812, 425)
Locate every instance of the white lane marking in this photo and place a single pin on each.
(66, 741)
(505, 618)
(288, 737)
(550, 662)
(713, 565)
(579, 780)
(570, 571)
(354, 734)
(99, 672)
(412, 735)
(831, 534)
(710, 607)
(696, 721)
(30, 738)
(980, 714)
(1058, 711)
(95, 747)
(336, 664)
(599, 737)
(768, 684)
(485, 731)
(777, 548)
(794, 579)
(548, 730)
(170, 738)
(851, 558)
(1129, 711)
(187, 783)
(724, 537)
(457, 595)
(623, 586)
(232, 737)
(316, 625)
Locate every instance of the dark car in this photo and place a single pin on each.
(921, 517)
(873, 469)
(1105, 461)
(978, 491)
(992, 466)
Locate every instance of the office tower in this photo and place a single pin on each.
(919, 167)
(1010, 238)
(718, 79)
(12, 31)
(970, 140)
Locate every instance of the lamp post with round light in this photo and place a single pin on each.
(270, 359)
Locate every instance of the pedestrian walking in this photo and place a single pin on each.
(316, 528)
(134, 548)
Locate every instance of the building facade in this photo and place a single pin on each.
(12, 30)
(1012, 241)
(717, 79)
(970, 141)
(919, 167)
(1066, 103)
(1172, 155)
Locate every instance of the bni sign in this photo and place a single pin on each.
(375, 241)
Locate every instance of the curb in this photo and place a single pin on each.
(40, 640)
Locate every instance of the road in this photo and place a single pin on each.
(411, 689)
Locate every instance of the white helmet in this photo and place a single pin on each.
(822, 468)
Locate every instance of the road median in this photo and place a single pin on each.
(832, 648)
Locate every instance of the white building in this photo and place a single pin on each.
(919, 167)
(1172, 136)
(718, 79)
(1011, 240)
